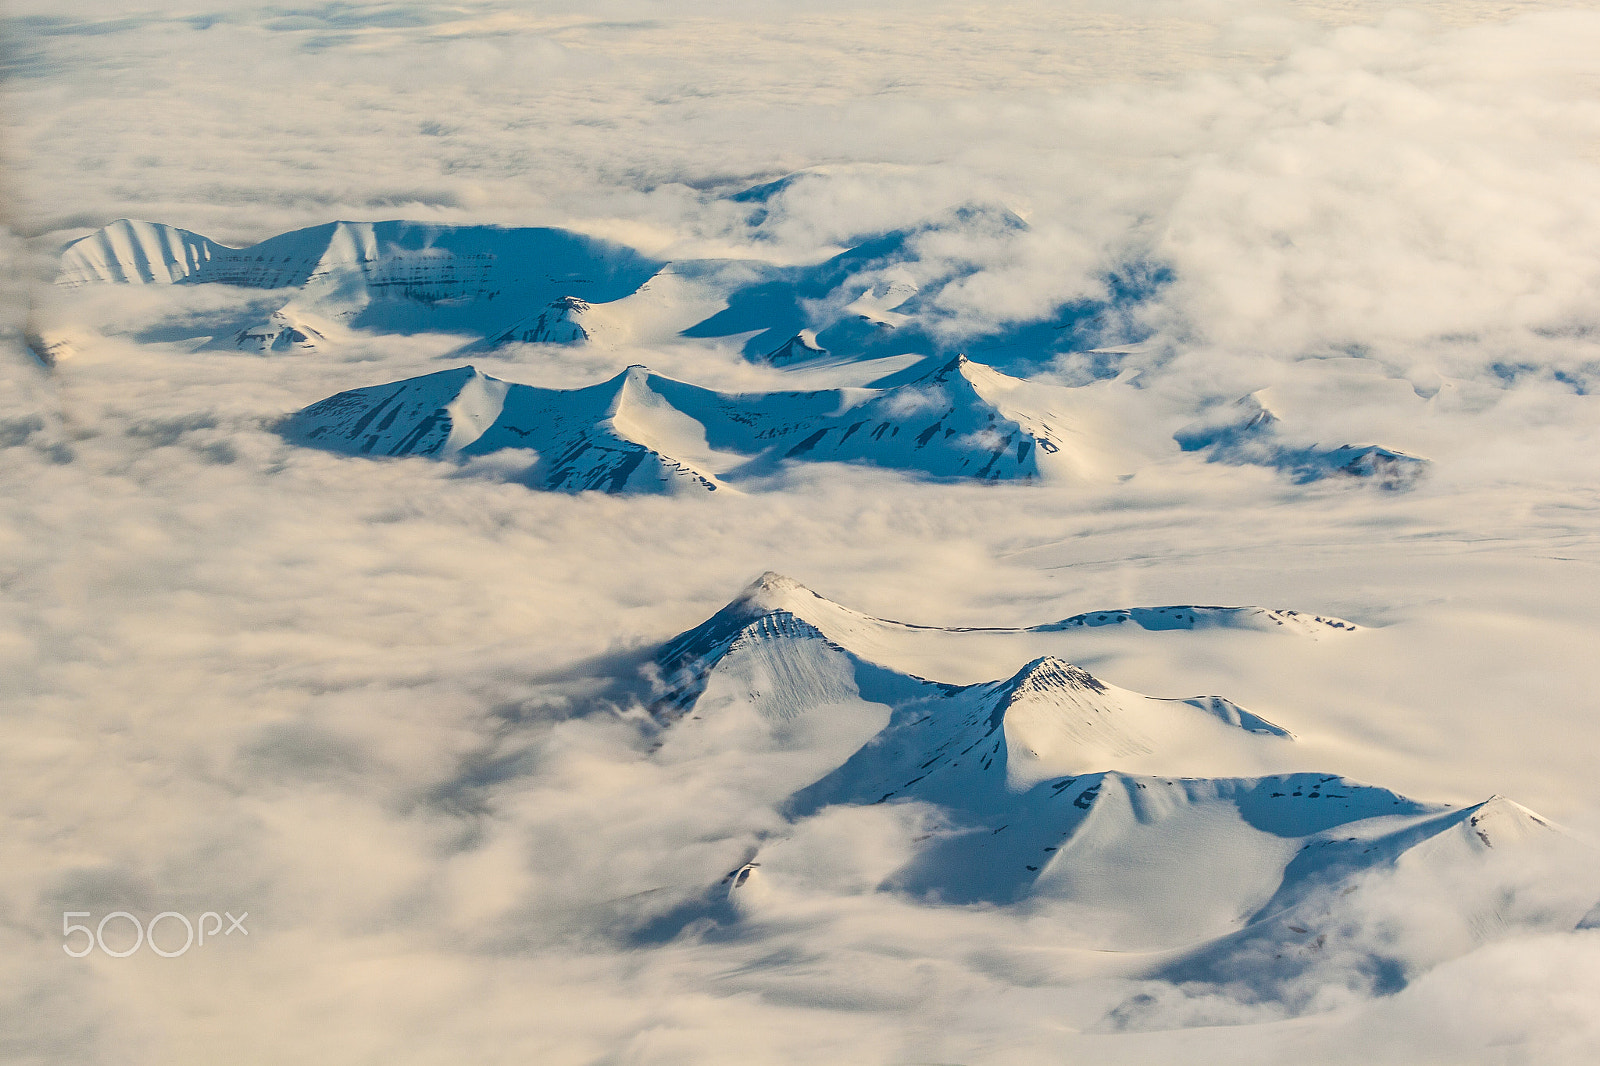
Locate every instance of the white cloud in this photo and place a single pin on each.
(386, 709)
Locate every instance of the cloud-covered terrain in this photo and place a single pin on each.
(416, 717)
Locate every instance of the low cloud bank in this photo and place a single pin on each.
(393, 709)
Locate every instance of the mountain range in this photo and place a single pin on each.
(496, 286)
(501, 285)
(388, 277)
(643, 432)
(1149, 825)
(1248, 433)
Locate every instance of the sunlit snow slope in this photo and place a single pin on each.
(525, 285)
(1151, 824)
(644, 432)
(394, 277)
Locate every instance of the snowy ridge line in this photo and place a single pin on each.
(772, 592)
(789, 651)
(684, 662)
(1247, 433)
(393, 276)
(1197, 617)
(505, 285)
(1127, 814)
(495, 286)
(644, 432)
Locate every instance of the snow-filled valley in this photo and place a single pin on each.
(633, 535)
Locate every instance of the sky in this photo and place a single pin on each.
(391, 710)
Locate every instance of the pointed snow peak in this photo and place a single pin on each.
(945, 370)
(772, 591)
(1045, 677)
(1253, 414)
(634, 391)
(622, 384)
(1245, 419)
(463, 373)
(459, 376)
(976, 378)
(1495, 823)
(629, 373)
(1050, 674)
(770, 607)
(1226, 711)
(561, 321)
(958, 369)
(1503, 817)
(801, 346)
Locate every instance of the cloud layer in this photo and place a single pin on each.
(390, 709)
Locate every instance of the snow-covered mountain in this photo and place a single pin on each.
(393, 277)
(881, 297)
(528, 285)
(131, 252)
(1247, 432)
(642, 432)
(1487, 868)
(560, 322)
(1200, 617)
(800, 348)
(1148, 824)
(617, 436)
(684, 662)
(285, 330)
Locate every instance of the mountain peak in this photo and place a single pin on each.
(772, 591)
(1247, 432)
(956, 366)
(1498, 820)
(687, 659)
(132, 251)
(1050, 674)
(625, 384)
(803, 345)
(561, 321)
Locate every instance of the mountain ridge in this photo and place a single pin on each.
(956, 421)
(505, 285)
(1050, 787)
